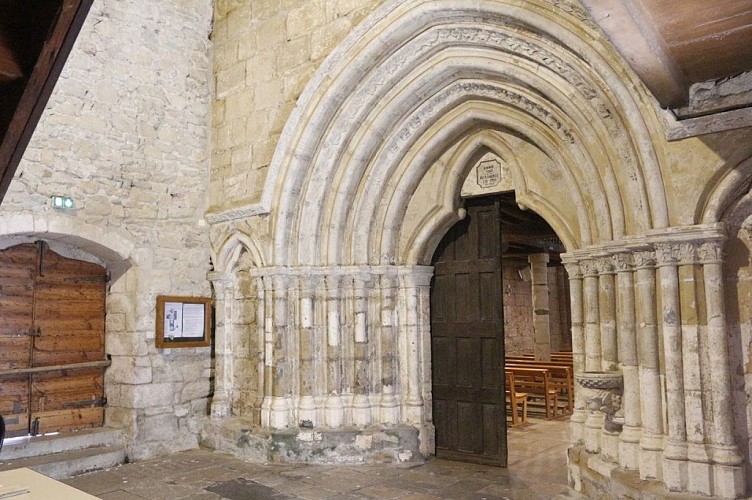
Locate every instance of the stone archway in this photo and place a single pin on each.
(76, 241)
(361, 189)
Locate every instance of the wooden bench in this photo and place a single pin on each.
(515, 398)
(536, 382)
(561, 377)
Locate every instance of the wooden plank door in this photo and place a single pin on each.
(17, 266)
(467, 340)
(64, 325)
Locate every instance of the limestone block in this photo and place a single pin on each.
(158, 427)
(124, 370)
(154, 394)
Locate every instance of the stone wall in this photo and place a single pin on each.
(126, 134)
(265, 52)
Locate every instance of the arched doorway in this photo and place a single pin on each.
(51, 340)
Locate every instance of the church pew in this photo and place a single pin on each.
(536, 382)
(561, 378)
(515, 398)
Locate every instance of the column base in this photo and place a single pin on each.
(629, 448)
(376, 444)
(675, 475)
(728, 481)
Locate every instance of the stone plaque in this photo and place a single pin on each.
(489, 173)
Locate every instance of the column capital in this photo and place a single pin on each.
(710, 252)
(589, 267)
(623, 262)
(644, 259)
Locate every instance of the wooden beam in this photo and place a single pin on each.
(39, 87)
(630, 28)
(54, 368)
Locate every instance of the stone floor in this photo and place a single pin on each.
(537, 470)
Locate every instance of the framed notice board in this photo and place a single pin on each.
(183, 321)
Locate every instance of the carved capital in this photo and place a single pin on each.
(573, 270)
(666, 254)
(589, 267)
(644, 259)
(605, 265)
(710, 252)
(623, 262)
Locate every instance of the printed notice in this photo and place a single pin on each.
(183, 320)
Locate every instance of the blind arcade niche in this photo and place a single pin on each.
(183, 321)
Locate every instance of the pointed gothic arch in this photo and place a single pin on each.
(343, 299)
(388, 90)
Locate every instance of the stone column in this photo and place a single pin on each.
(224, 358)
(541, 326)
(607, 314)
(579, 415)
(361, 403)
(412, 284)
(307, 349)
(334, 406)
(267, 320)
(675, 448)
(388, 404)
(651, 443)
(728, 471)
(629, 446)
(593, 351)
(279, 411)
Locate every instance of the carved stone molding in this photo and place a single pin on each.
(710, 252)
(603, 392)
(644, 259)
(589, 267)
(623, 262)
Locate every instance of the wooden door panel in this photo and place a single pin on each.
(53, 314)
(467, 340)
(14, 405)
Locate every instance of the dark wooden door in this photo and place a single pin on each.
(467, 340)
(52, 319)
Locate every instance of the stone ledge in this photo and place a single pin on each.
(236, 436)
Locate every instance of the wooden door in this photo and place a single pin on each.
(467, 340)
(52, 312)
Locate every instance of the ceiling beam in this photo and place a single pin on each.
(631, 29)
(39, 87)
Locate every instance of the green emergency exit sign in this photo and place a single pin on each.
(63, 202)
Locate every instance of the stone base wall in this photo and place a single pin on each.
(240, 437)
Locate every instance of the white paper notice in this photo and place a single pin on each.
(193, 320)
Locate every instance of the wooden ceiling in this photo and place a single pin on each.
(36, 37)
(524, 232)
(673, 44)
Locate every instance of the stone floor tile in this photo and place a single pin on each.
(120, 495)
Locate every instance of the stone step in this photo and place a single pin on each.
(65, 454)
(67, 464)
(32, 446)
